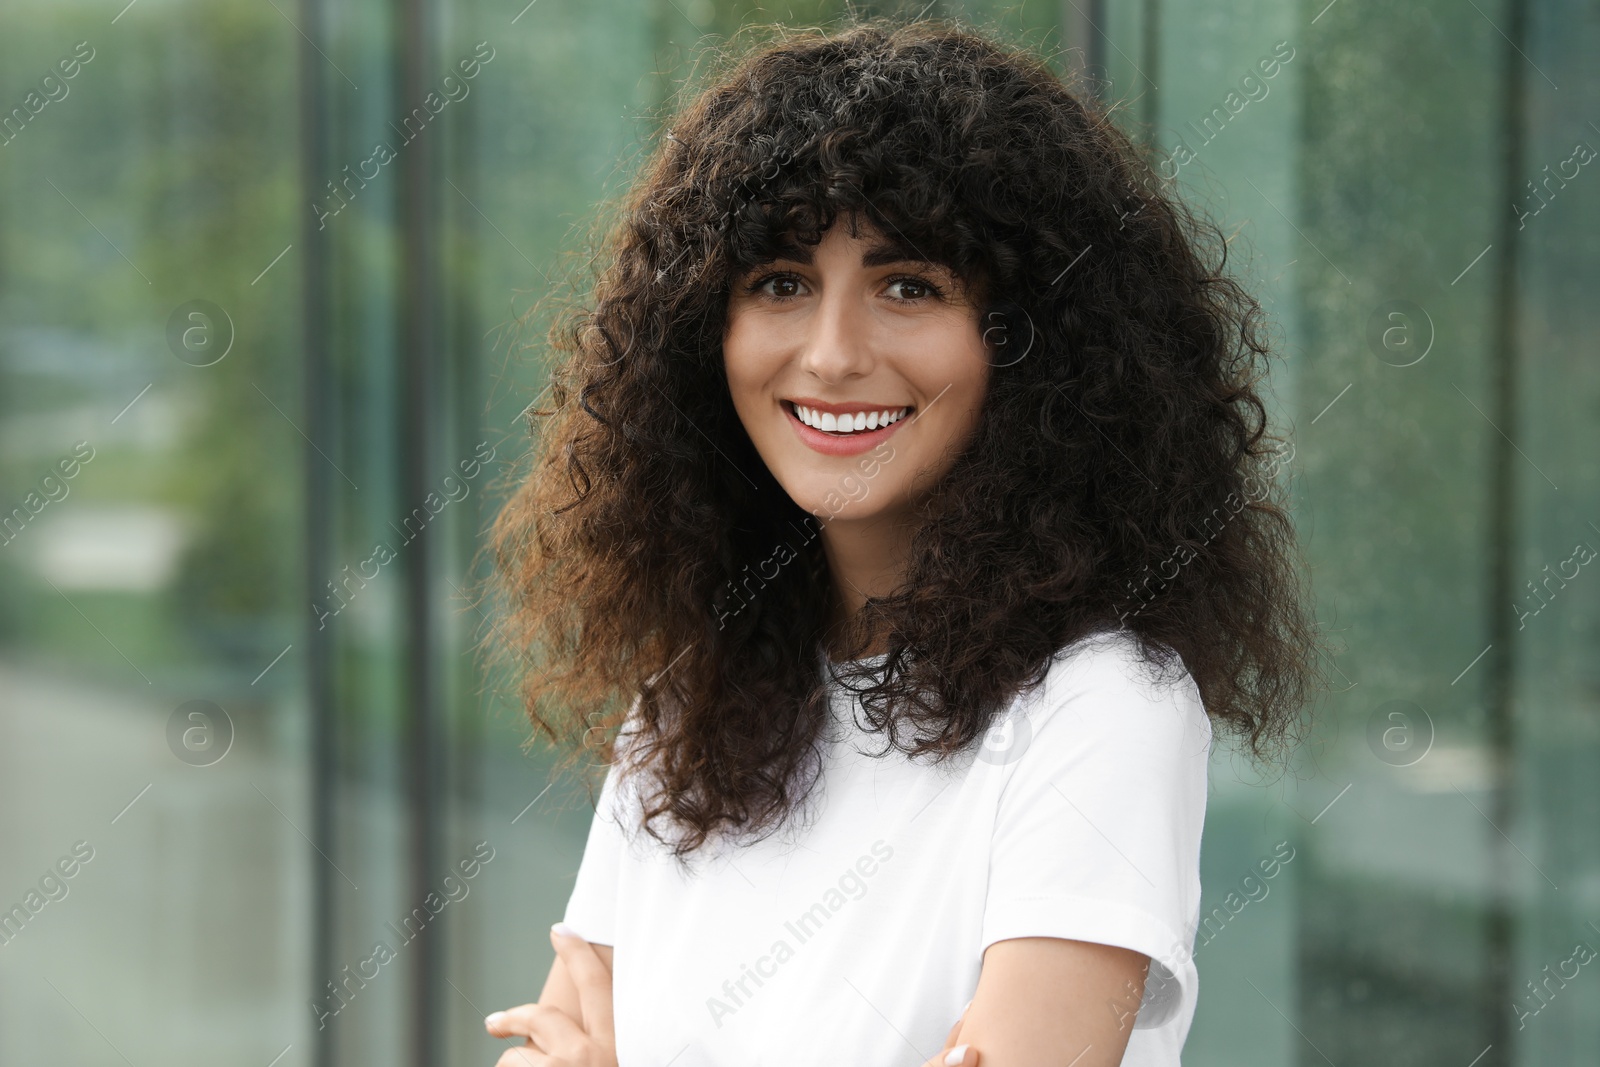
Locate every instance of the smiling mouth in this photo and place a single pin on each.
(860, 422)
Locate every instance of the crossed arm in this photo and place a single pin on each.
(559, 989)
(1039, 1000)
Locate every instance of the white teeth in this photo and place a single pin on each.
(851, 423)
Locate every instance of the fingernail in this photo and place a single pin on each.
(965, 1006)
(492, 1021)
(561, 929)
(955, 1056)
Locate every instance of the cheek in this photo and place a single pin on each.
(754, 355)
(735, 367)
(735, 355)
(961, 373)
(743, 359)
(966, 411)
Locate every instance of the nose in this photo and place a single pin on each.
(838, 342)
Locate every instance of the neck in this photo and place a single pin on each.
(866, 558)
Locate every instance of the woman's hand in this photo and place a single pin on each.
(554, 1038)
(968, 1056)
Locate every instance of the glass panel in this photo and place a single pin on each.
(360, 999)
(1553, 621)
(1372, 189)
(154, 791)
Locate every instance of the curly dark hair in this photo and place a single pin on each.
(1120, 475)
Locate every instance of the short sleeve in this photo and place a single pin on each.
(592, 907)
(1097, 834)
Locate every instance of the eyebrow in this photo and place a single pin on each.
(880, 254)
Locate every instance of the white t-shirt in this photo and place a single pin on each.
(857, 936)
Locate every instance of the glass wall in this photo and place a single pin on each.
(273, 279)
(1409, 184)
(154, 790)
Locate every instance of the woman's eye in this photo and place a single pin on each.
(919, 289)
(789, 286)
(760, 285)
(778, 281)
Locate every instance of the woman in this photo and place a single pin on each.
(909, 488)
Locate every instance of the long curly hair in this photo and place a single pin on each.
(647, 566)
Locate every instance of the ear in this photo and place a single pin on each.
(1008, 333)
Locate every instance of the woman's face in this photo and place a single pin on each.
(842, 335)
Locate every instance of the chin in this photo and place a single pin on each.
(847, 488)
(835, 504)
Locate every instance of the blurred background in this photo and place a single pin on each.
(258, 375)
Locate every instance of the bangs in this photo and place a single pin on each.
(789, 221)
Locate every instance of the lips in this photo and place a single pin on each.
(842, 444)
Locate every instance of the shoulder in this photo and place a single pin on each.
(1104, 693)
(621, 791)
